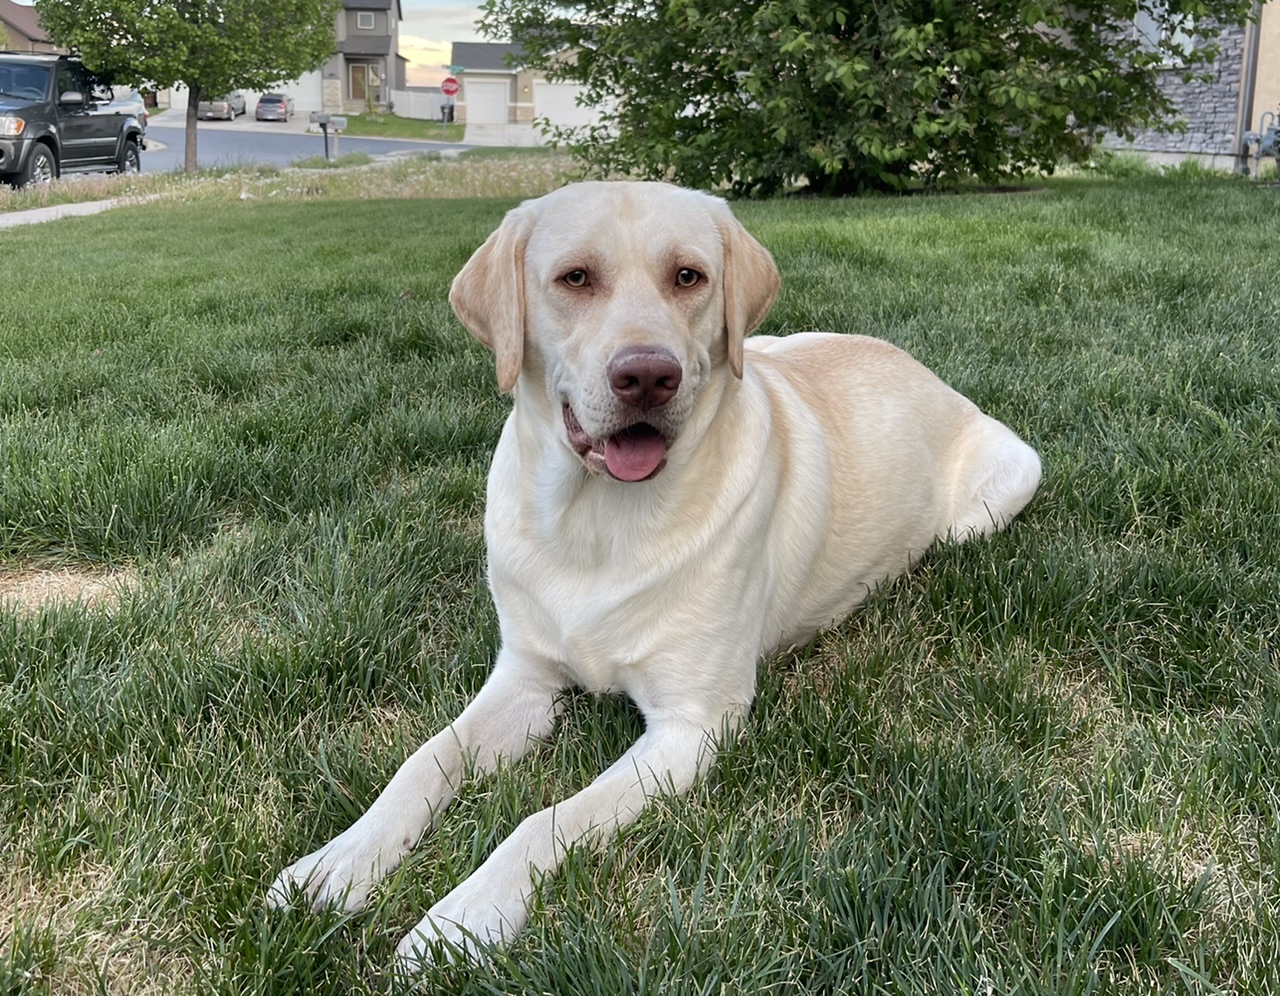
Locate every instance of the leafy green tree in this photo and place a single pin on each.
(848, 97)
(210, 46)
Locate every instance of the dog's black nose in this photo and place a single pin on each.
(645, 376)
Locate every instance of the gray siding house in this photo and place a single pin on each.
(367, 65)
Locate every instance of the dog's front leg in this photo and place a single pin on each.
(517, 705)
(491, 906)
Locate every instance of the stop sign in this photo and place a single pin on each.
(449, 86)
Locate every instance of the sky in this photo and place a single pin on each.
(428, 29)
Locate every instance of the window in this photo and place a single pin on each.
(364, 20)
(68, 81)
(1150, 34)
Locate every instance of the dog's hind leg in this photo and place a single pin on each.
(513, 709)
(998, 473)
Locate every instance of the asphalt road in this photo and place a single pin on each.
(272, 143)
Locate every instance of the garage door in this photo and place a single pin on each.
(486, 102)
(558, 102)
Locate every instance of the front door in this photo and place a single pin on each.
(359, 82)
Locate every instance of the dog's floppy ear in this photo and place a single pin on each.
(751, 283)
(488, 295)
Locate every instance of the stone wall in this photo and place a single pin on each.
(1208, 108)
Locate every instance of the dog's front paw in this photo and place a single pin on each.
(339, 875)
(465, 925)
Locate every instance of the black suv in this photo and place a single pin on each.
(56, 117)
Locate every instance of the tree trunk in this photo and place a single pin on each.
(194, 93)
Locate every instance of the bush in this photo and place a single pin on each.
(847, 97)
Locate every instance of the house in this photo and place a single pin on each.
(20, 29)
(1245, 86)
(500, 100)
(365, 67)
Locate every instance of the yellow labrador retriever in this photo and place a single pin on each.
(668, 501)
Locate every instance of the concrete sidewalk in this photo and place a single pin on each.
(12, 219)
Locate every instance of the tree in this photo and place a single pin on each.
(211, 46)
(848, 97)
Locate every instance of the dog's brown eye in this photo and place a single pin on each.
(575, 278)
(687, 277)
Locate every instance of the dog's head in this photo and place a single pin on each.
(620, 301)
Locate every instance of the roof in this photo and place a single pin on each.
(375, 45)
(484, 57)
(373, 5)
(24, 19)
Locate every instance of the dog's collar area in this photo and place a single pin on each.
(636, 453)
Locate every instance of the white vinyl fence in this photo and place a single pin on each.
(422, 104)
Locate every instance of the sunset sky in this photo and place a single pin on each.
(428, 29)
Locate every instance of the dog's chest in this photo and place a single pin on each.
(600, 624)
(588, 593)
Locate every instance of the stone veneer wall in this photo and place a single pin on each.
(1209, 109)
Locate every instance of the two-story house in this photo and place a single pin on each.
(367, 65)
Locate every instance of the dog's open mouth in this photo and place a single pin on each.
(636, 453)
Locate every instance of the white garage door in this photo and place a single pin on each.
(486, 102)
(558, 102)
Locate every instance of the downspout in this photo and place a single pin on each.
(1248, 81)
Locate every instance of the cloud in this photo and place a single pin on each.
(427, 59)
(427, 34)
(455, 22)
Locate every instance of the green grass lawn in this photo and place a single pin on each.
(394, 126)
(1046, 763)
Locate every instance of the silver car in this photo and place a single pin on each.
(130, 102)
(274, 107)
(226, 107)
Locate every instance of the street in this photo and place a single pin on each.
(245, 141)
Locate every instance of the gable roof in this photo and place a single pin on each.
(24, 19)
(484, 57)
(392, 5)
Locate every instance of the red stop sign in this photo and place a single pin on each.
(449, 86)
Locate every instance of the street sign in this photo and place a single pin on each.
(449, 86)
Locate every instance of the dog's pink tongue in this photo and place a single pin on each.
(634, 454)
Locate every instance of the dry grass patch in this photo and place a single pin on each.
(90, 958)
(28, 591)
(411, 177)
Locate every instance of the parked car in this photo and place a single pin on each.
(227, 107)
(274, 107)
(131, 101)
(56, 117)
